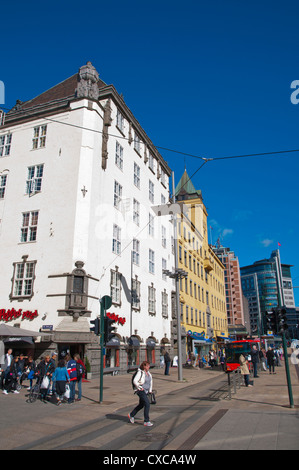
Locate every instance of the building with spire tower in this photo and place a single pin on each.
(202, 293)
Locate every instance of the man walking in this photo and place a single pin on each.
(255, 360)
(167, 361)
(72, 371)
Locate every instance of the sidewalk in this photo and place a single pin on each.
(258, 417)
(255, 418)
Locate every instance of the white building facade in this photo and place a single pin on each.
(78, 179)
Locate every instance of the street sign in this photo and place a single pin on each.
(106, 301)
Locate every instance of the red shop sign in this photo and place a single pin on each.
(12, 314)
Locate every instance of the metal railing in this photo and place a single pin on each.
(234, 380)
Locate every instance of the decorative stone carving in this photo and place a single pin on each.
(105, 136)
(87, 82)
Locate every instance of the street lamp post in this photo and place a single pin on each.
(177, 275)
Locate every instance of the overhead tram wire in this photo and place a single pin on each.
(230, 157)
(205, 160)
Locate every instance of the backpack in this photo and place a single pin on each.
(80, 370)
(133, 377)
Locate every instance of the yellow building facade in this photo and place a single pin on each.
(202, 293)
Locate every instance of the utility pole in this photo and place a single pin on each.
(177, 287)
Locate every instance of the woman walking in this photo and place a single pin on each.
(271, 359)
(61, 378)
(244, 370)
(143, 384)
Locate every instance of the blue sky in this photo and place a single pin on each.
(208, 78)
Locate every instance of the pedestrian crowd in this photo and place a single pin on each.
(55, 379)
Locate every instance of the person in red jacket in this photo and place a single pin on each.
(72, 371)
(80, 374)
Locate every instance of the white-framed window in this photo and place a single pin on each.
(39, 137)
(136, 252)
(136, 212)
(164, 304)
(119, 121)
(136, 294)
(151, 261)
(119, 156)
(163, 199)
(23, 279)
(137, 175)
(34, 179)
(118, 189)
(151, 191)
(29, 226)
(116, 241)
(151, 226)
(115, 287)
(3, 181)
(137, 143)
(151, 300)
(163, 236)
(5, 144)
(151, 162)
(164, 266)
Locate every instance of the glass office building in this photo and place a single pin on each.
(266, 284)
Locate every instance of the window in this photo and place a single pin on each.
(34, 179)
(137, 175)
(5, 144)
(119, 156)
(39, 137)
(152, 300)
(163, 236)
(137, 143)
(164, 304)
(115, 287)
(136, 212)
(118, 189)
(135, 294)
(116, 241)
(120, 121)
(29, 226)
(23, 279)
(151, 261)
(3, 180)
(151, 162)
(136, 252)
(151, 227)
(151, 191)
(164, 266)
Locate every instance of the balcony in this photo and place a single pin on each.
(208, 265)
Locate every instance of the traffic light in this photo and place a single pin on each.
(271, 319)
(282, 320)
(96, 327)
(109, 330)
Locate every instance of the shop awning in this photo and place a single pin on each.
(133, 341)
(113, 342)
(19, 339)
(13, 331)
(150, 343)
